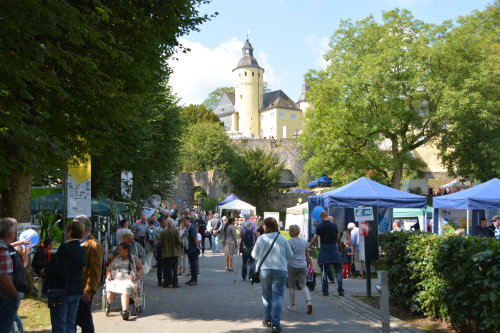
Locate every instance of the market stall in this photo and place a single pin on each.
(479, 201)
(298, 215)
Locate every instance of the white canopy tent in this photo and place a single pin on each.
(237, 205)
(298, 215)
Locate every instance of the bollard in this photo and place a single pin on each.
(383, 290)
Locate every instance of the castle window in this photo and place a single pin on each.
(282, 115)
(271, 115)
(245, 73)
(241, 96)
(239, 74)
(253, 74)
(259, 74)
(293, 116)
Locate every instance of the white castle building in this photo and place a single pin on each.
(251, 113)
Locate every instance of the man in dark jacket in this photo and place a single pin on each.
(483, 230)
(170, 244)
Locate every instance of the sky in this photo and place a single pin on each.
(289, 38)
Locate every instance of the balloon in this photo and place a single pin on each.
(180, 200)
(30, 234)
(300, 200)
(316, 212)
(241, 215)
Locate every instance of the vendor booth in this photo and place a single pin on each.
(237, 205)
(465, 208)
(407, 217)
(230, 198)
(322, 181)
(298, 215)
(365, 192)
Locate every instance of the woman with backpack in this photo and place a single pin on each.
(228, 239)
(248, 237)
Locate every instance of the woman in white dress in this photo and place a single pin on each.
(123, 274)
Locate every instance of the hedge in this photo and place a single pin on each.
(455, 278)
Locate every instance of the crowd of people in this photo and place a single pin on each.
(172, 242)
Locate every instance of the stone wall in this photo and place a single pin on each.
(214, 182)
(281, 201)
(287, 149)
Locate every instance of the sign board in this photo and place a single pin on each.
(364, 228)
(363, 214)
(78, 189)
(276, 215)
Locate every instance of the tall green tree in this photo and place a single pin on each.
(197, 113)
(255, 174)
(470, 144)
(377, 100)
(71, 73)
(206, 146)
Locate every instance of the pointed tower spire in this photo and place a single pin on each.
(247, 49)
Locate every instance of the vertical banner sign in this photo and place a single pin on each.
(78, 189)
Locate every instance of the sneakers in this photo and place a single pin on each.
(309, 307)
(276, 329)
(192, 283)
(325, 292)
(126, 314)
(341, 292)
(291, 307)
(266, 323)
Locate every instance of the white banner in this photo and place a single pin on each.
(78, 189)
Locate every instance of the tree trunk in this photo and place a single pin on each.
(396, 177)
(20, 197)
(398, 167)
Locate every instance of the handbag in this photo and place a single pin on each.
(57, 297)
(256, 275)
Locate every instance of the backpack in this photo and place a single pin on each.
(248, 239)
(19, 276)
(150, 234)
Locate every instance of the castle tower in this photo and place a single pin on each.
(248, 97)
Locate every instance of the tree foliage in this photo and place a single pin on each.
(214, 97)
(198, 113)
(470, 144)
(206, 146)
(75, 72)
(377, 100)
(254, 174)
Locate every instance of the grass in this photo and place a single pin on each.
(34, 314)
(426, 324)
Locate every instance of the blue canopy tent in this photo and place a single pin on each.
(301, 190)
(366, 192)
(475, 200)
(230, 198)
(323, 180)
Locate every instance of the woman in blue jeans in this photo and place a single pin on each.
(273, 271)
(65, 272)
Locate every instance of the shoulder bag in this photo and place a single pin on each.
(256, 275)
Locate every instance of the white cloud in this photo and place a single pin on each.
(319, 46)
(200, 71)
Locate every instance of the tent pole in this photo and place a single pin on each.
(425, 220)
(468, 218)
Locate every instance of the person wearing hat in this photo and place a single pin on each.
(496, 226)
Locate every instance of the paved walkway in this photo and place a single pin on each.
(222, 302)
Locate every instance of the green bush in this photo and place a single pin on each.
(455, 278)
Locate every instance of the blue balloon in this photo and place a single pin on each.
(180, 200)
(30, 234)
(316, 212)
